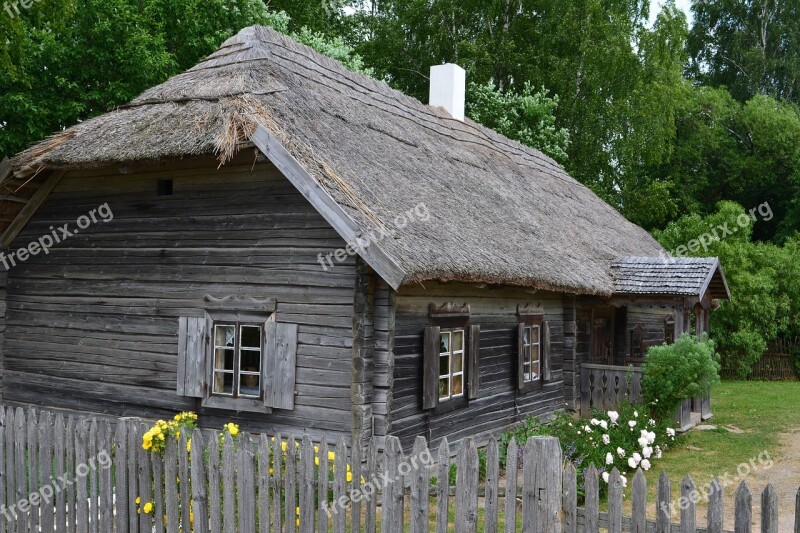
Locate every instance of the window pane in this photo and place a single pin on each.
(250, 361)
(444, 366)
(223, 383)
(444, 388)
(527, 355)
(249, 385)
(457, 385)
(251, 337)
(444, 343)
(223, 359)
(224, 335)
(535, 334)
(458, 340)
(526, 336)
(458, 363)
(535, 370)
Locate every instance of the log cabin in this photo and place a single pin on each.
(272, 239)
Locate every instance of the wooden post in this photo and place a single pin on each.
(171, 486)
(306, 483)
(264, 478)
(370, 520)
(120, 476)
(443, 489)
(688, 516)
(541, 485)
(744, 510)
(420, 486)
(492, 486)
(769, 510)
(355, 506)
(340, 485)
(715, 507)
(510, 516)
(214, 485)
(639, 503)
(569, 501)
(664, 505)
(277, 461)
(592, 489)
(467, 487)
(322, 489)
(245, 484)
(228, 485)
(199, 485)
(615, 502)
(290, 476)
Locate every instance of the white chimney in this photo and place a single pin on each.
(448, 89)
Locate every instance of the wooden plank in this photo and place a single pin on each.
(33, 466)
(10, 468)
(285, 366)
(340, 485)
(322, 488)
(474, 357)
(390, 464)
(290, 485)
(134, 443)
(145, 483)
(688, 512)
(510, 515)
(171, 486)
(46, 470)
(93, 477)
(264, 477)
(769, 510)
(664, 504)
(106, 502)
(245, 483)
(370, 520)
(430, 364)
(386, 267)
(467, 487)
(492, 486)
(355, 506)
(615, 502)
(307, 486)
(228, 485)
(639, 503)
(20, 474)
(214, 484)
(592, 498)
(420, 488)
(277, 462)
(797, 512)
(120, 476)
(5, 525)
(570, 499)
(743, 514)
(198, 474)
(715, 507)
(541, 485)
(158, 491)
(33, 205)
(184, 485)
(81, 481)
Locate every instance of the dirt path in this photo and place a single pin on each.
(785, 478)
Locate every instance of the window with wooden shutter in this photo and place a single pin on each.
(547, 354)
(450, 359)
(530, 352)
(194, 337)
(282, 347)
(430, 371)
(473, 366)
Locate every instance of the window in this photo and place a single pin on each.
(531, 353)
(237, 360)
(451, 364)
(164, 188)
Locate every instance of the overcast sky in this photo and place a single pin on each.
(655, 7)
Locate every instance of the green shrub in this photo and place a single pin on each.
(681, 370)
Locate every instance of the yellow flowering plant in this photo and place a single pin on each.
(155, 439)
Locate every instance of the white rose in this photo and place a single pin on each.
(605, 477)
(604, 424)
(670, 432)
(609, 459)
(647, 451)
(642, 441)
(658, 452)
(651, 422)
(613, 416)
(594, 421)
(636, 414)
(624, 482)
(651, 437)
(620, 452)
(632, 463)
(636, 457)
(632, 423)
(606, 440)
(645, 464)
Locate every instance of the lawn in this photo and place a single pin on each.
(762, 411)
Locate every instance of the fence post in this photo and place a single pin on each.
(744, 509)
(198, 484)
(569, 500)
(639, 504)
(322, 489)
(688, 516)
(615, 502)
(443, 488)
(510, 516)
(769, 510)
(306, 483)
(664, 507)
(467, 487)
(541, 485)
(592, 499)
(420, 486)
(492, 475)
(797, 512)
(715, 510)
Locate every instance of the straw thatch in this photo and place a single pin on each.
(499, 212)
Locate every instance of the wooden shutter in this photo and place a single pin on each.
(194, 341)
(546, 352)
(430, 368)
(520, 355)
(473, 364)
(279, 363)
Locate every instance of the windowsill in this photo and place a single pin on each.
(531, 386)
(446, 406)
(236, 404)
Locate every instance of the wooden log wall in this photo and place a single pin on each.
(92, 326)
(499, 403)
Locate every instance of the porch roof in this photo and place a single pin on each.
(695, 277)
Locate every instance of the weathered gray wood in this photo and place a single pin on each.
(639, 503)
(339, 485)
(663, 504)
(199, 497)
(797, 512)
(370, 520)
(46, 470)
(70, 471)
(120, 476)
(10, 466)
(20, 473)
(214, 484)
(245, 481)
(290, 489)
(355, 506)
(547, 364)
(443, 487)
(492, 486)
(688, 513)
(743, 517)
(264, 477)
(466, 517)
(285, 365)
(228, 482)
(769, 510)
(36, 201)
(185, 477)
(420, 488)
(473, 361)
(336, 216)
(510, 515)
(32, 426)
(171, 486)
(715, 507)
(592, 498)
(307, 486)
(145, 482)
(5, 524)
(569, 500)
(158, 492)
(277, 458)
(430, 368)
(615, 502)
(106, 501)
(94, 478)
(541, 485)
(134, 442)
(81, 481)
(322, 488)
(194, 337)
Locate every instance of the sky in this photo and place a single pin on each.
(655, 7)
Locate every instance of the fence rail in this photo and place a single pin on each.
(604, 386)
(80, 475)
(777, 363)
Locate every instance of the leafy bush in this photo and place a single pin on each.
(626, 439)
(681, 370)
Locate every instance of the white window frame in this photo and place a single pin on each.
(237, 372)
(450, 354)
(528, 359)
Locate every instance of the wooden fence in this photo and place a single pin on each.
(777, 363)
(80, 475)
(604, 386)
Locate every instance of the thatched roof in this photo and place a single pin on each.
(679, 276)
(499, 212)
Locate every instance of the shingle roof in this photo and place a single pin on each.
(677, 276)
(500, 212)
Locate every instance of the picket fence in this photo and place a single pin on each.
(101, 480)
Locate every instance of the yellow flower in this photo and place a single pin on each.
(316, 461)
(191, 517)
(283, 446)
(297, 511)
(331, 456)
(189, 445)
(177, 417)
(349, 476)
(271, 471)
(138, 500)
(297, 522)
(316, 449)
(148, 507)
